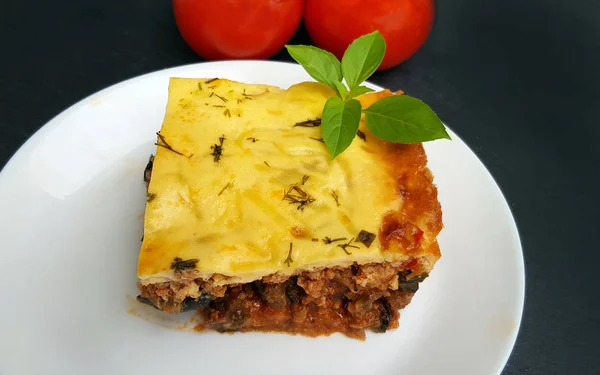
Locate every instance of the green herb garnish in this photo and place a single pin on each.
(220, 97)
(217, 149)
(398, 118)
(335, 196)
(295, 195)
(162, 142)
(328, 240)
(366, 238)
(347, 245)
(309, 123)
(289, 259)
(229, 184)
(180, 264)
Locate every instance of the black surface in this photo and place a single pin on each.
(518, 80)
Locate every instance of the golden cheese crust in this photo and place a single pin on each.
(243, 187)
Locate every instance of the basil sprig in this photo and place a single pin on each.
(397, 118)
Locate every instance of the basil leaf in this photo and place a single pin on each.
(404, 119)
(359, 91)
(319, 64)
(362, 58)
(340, 122)
(341, 89)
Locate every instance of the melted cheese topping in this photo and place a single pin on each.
(225, 207)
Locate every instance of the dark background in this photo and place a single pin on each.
(518, 80)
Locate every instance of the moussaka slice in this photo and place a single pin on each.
(250, 222)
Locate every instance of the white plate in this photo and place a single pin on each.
(71, 221)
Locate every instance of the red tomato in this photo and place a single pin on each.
(404, 24)
(237, 29)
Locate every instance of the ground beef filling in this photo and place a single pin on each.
(347, 300)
